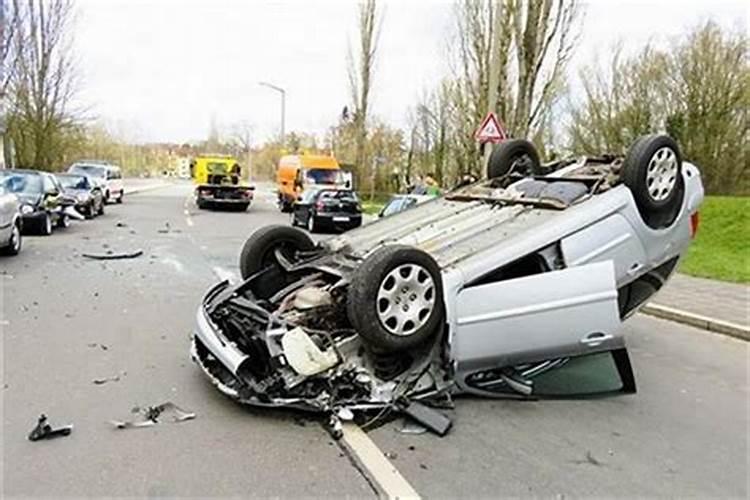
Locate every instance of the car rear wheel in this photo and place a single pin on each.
(395, 298)
(45, 225)
(259, 250)
(513, 156)
(14, 243)
(63, 221)
(100, 211)
(652, 170)
(122, 195)
(311, 226)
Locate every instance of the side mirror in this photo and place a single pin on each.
(299, 199)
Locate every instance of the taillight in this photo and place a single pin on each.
(694, 221)
(320, 205)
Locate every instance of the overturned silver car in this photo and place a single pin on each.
(495, 289)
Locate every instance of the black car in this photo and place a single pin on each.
(333, 209)
(88, 196)
(41, 199)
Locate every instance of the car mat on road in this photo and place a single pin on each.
(152, 415)
(110, 255)
(45, 431)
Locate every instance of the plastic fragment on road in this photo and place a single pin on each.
(110, 255)
(153, 415)
(428, 417)
(43, 430)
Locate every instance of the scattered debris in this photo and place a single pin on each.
(152, 415)
(423, 466)
(409, 426)
(428, 417)
(94, 344)
(167, 229)
(120, 224)
(104, 380)
(110, 255)
(45, 431)
(391, 455)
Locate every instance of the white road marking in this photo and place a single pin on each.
(186, 211)
(387, 477)
(189, 221)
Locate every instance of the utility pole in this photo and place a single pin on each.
(494, 76)
(283, 105)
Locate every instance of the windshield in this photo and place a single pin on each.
(322, 176)
(92, 170)
(73, 181)
(19, 182)
(397, 205)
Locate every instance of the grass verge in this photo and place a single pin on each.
(720, 250)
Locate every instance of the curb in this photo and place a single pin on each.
(698, 321)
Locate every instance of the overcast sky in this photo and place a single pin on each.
(159, 70)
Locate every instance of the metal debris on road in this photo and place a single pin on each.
(152, 415)
(104, 380)
(45, 431)
(120, 224)
(110, 255)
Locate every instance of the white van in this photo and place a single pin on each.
(108, 175)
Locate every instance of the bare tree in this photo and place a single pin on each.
(241, 138)
(43, 82)
(361, 69)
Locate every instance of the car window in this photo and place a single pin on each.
(309, 195)
(48, 184)
(92, 170)
(338, 195)
(321, 176)
(20, 182)
(74, 182)
(394, 206)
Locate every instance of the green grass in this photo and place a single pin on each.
(372, 208)
(720, 250)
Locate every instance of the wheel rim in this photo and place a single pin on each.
(661, 174)
(406, 299)
(310, 222)
(15, 239)
(47, 224)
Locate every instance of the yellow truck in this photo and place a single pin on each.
(296, 173)
(218, 180)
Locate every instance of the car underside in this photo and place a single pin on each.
(377, 319)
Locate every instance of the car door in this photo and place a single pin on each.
(555, 315)
(7, 211)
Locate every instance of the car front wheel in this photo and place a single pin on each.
(395, 298)
(14, 243)
(45, 225)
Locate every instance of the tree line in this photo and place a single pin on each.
(507, 56)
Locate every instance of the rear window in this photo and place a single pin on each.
(338, 195)
(92, 170)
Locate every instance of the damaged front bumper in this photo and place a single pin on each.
(255, 358)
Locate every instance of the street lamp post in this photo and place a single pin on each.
(283, 104)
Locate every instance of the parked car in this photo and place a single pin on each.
(401, 202)
(331, 209)
(10, 222)
(109, 175)
(87, 196)
(514, 287)
(40, 197)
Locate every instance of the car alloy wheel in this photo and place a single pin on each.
(15, 240)
(661, 174)
(311, 223)
(405, 299)
(47, 224)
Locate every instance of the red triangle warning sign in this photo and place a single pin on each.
(490, 130)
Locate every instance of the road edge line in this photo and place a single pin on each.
(372, 462)
(697, 320)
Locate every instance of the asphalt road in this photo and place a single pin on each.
(67, 320)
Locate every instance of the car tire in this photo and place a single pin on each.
(45, 225)
(652, 170)
(122, 195)
(311, 226)
(395, 298)
(258, 251)
(106, 196)
(100, 211)
(515, 155)
(16, 241)
(63, 221)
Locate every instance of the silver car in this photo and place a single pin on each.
(10, 222)
(516, 286)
